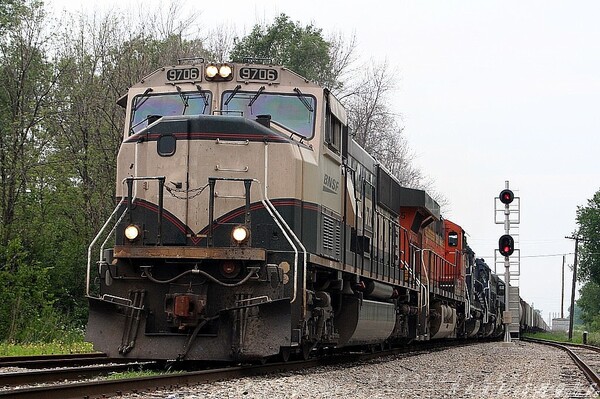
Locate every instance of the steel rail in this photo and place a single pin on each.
(9, 359)
(590, 374)
(42, 361)
(68, 374)
(108, 388)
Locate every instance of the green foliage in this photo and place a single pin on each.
(137, 374)
(593, 337)
(301, 49)
(72, 343)
(26, 304)
(550, 336)
(588, 219)
(10, 11)
(590, 306)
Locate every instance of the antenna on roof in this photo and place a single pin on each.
(180, 60)
(257, 60)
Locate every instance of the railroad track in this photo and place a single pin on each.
(586, 357)
(13, 379)
(48, 361)
(108, 388)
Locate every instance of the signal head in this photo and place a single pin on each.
(506, 245)
(506, 196)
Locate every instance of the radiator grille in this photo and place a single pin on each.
(331, 236)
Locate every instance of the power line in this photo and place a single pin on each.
(546, 255)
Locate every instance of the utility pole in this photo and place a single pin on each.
(576, 238)
(562, 290)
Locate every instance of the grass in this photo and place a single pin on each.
(51, 348)
(138, 374)
(593, 337)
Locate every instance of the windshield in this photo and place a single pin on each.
(295, 111)
(145, 107)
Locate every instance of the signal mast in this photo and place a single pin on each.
(506, 247)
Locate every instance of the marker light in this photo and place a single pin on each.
(132, 232)
(240, 234)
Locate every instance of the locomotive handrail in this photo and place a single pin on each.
(273, 211)
(422, 251)
(392, 251)
(125, 211)
(130, 199)
(212, 182)
(89, 257)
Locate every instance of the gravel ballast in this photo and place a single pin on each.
(488, 370)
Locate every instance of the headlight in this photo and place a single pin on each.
(225, 71)
(132, 232)
(218, 72)
(211, 71)
(240, 234)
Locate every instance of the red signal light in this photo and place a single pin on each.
(506, 245)
(506, 196)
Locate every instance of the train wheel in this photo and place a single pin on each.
(306, 349)
(284, 354)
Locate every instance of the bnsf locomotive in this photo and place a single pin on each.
(249, 224)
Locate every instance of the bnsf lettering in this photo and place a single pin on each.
(331, 183)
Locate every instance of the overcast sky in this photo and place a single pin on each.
(488, 91)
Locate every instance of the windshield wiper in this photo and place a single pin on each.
(138, 105)
(258, 93)
(184, 99)
(303, 99)
(233, 93)
(203, 96)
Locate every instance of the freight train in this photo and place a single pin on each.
(250, 225)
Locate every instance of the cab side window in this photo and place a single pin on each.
(333, 132)
(453, 239)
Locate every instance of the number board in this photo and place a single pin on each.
(253, 74)
(187, 74)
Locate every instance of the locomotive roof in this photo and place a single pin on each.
(284, 77)
(411, 197)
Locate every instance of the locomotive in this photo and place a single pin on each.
(249, 224)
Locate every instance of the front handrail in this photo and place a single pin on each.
(91, 246)
(130, 198)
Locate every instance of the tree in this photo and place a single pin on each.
(301, 49)
(588, 220)
(10, 10)
(589, 304)
(27, 80)
(375, 127)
